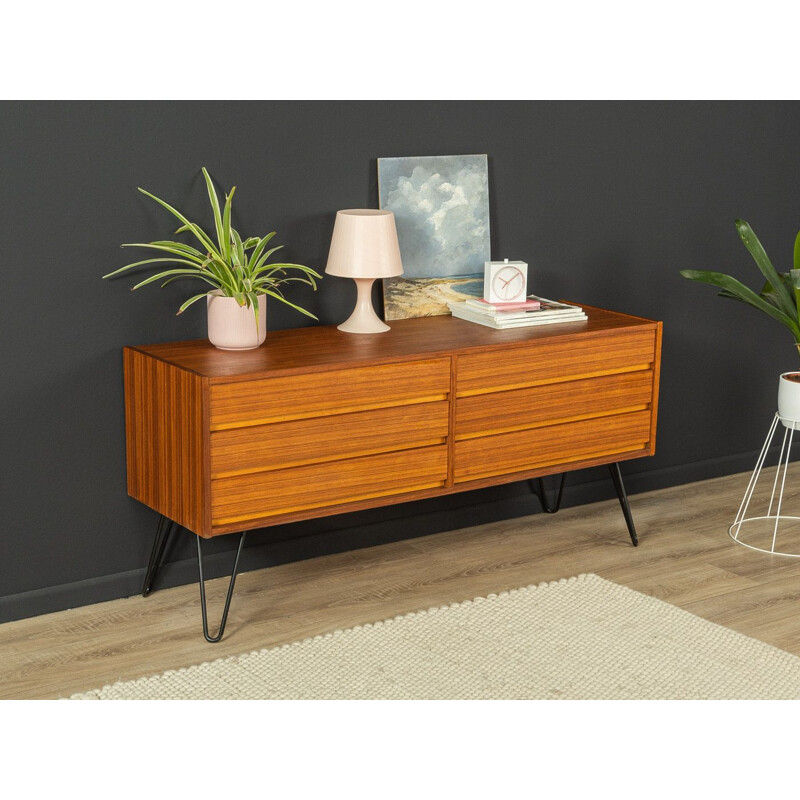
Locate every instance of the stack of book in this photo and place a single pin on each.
(533, 311)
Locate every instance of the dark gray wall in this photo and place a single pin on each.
(605, 200)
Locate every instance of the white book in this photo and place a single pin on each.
(523, 315)
(547, 308)
(459, 311)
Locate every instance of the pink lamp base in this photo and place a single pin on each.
(364, 319)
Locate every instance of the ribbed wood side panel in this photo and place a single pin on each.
(164, 433)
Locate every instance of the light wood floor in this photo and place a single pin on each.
(685, 558)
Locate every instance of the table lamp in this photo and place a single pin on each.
(364, 247)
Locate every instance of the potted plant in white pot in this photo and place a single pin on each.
(779, 297)
(236, 269)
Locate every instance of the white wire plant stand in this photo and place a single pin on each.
(767, 525)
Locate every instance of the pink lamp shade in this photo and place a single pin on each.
(364, 247)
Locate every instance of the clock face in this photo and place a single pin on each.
(508, 284)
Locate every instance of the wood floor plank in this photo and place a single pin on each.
(685, 558)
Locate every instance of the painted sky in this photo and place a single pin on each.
(441, 207)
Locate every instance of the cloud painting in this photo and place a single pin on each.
(441, 207)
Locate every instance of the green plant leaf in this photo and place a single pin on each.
(269, 282)
(210, 280)
(166, 274)
(226, 225)
(272, 268)
(149, 261)
(238, 247)
(753, 245)
(261, 262)
(268, 269)
(736, 289)
(229, 275)
(796, 260)
(252, 298)
(187, 248)
(214, 200)
(184, 251)
(190, 301)
(187, 224)
(256, 254)
(284, 300)
(794, 277)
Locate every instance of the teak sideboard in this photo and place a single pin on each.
(317, 421)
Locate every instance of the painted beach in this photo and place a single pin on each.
(404, 298)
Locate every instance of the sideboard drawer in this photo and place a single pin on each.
(237, 451)
(262, 495)
(257, 402)
(548, 361)
(534, 406)
(527, 450)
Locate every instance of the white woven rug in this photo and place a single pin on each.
(578, 638)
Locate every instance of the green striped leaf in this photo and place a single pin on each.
(284, 300)
(785, 300)
(190, 301)
(187, 224)
(170, 247)
(256, 254)
(166, 274)
(736, 289)
(149, 261)
(225, 245)
(214, 200)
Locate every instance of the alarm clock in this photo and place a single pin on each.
(505, 281)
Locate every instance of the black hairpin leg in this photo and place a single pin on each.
(616, 476)
(537, 487)
(165, 529)
(538, 490)
(230, 591)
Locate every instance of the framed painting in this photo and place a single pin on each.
(441, 208)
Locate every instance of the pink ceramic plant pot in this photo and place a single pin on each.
(233, 327)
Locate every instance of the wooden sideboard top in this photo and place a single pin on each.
(321, 347)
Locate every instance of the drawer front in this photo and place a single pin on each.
(535, 406)
(522, 451)
(238, 451)
(325, 393)
(261, 495)
(549, 361)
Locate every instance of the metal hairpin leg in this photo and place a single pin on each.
(616, 476)
(166, 527)
(540, 493)
(230, 591)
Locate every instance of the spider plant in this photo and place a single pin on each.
(780, 295)
(235, 266)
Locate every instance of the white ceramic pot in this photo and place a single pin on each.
(789, 399)
(233, 327)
